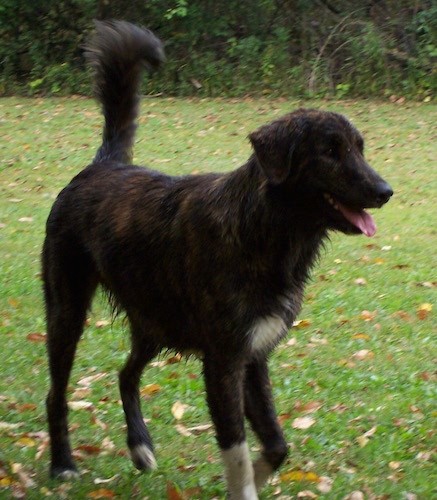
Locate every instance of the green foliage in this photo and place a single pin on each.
(232, 47)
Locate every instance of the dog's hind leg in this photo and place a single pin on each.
(224, 387)
(260, 411)
(69, 284)
(138, 437)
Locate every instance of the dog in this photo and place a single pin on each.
(213, 263)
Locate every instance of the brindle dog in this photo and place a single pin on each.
(213, 263)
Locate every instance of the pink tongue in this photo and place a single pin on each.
(362, 220)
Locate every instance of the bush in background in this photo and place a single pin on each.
(233, 48)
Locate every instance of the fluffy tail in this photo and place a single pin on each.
(118, 52)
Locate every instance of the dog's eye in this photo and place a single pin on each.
(330, 152)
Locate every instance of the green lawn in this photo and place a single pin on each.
(359, 370)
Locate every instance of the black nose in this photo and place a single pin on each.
(383, 192)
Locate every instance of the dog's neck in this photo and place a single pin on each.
(269, 220)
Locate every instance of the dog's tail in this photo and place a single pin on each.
(117, 52)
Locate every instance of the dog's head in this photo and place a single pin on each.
(317, 157)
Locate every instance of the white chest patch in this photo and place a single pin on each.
(266, 332)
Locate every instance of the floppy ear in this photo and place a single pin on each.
(274, 145)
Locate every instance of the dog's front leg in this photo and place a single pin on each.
(224, 386)
(260, 411)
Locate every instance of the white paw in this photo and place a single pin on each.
(143, 457)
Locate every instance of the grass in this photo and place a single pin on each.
(360, 367)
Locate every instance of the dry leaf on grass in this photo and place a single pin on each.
(306, 494)
(193, 431)
(303, 422)
(87, 381)
(299, 476)
(36, 337)
(150, 390)
(301, 323)
(101, 493)
(363, 355)
(365, 438)
(178, 409)
(355, 495)
(81, 405)
(325, 484)
(310, 407)
(424, 310)
(26, 442)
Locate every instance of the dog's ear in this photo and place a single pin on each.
(274, 145)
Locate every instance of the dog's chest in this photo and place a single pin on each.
(266, 332)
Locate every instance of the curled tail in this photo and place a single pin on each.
(118, 52)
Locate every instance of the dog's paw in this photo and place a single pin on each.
(143, 458)
(63, 474)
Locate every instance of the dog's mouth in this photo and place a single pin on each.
(358, 218)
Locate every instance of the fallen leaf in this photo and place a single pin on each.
(7, 426)
(21, 408)
(25, 219)
(428, 376)
(174, 359)
(355, 495)
(283, 417)
(42, 448)
(410, 496)
(183, 430)
(310, 407)
(101, 493)
(98, 422)
(402, 315)
(301, 323)
(371, 431)
(107, 444)
(199, 429)
(150, 390)
(339, 408)
(26, 442)
(6, 481)
(87, 381)
(363, 354)
(23, 475)
(365, 438)
(361, 336)
(362, 441)
(303, 422)
(106, 481)
(360, 281)
(81, 392)
(424, 456)
(36, 337)
(394, 465)
(173, 492)
(13, 302)
(368, 315)
(89, 449)
(423, 310)
(306, 494)
(299, 476)
(178, 409)
(325, 484)
(80, 405)
(101, 323)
